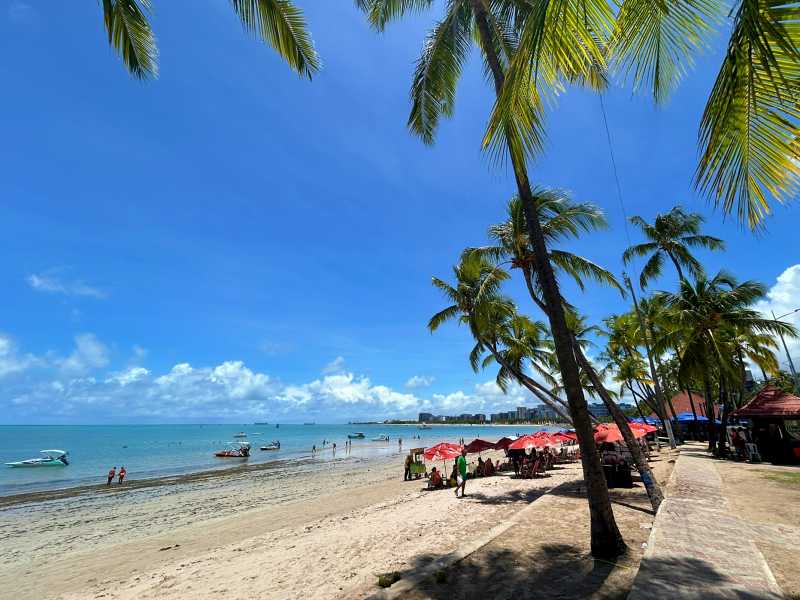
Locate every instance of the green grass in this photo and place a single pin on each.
(387, 579)
(788, 478)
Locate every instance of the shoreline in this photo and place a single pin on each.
(214, 536)
(131, 485)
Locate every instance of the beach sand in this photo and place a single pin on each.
(297, 531)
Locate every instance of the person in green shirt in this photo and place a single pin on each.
(461, 478)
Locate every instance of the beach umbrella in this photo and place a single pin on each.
(503, 443)
(532, 441)
(442, 451)
(478, 445)
(560, 436)
(611, 433)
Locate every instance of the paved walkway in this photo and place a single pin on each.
(698, 550)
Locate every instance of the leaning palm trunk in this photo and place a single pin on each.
(653, 372)
(650, 483)
(606, 540)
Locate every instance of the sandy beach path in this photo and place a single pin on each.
(330, 539)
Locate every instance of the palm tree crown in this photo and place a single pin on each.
(671, 235)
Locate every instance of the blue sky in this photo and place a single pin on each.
(232, 242)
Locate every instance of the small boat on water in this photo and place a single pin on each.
(356, 436)
(50, 458)
(273, 445)
(241, 434)
(423, 426)
(381, 438)
(235, 450)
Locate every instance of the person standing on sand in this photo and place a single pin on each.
(112, 472)
(461, 478)
(334, 448)
(122, 473)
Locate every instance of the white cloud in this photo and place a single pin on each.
(138, 353)
(74, 388)
(11, 361)
(782, 298)
(51, 284)
(418, 381)
(335, 366)
(128, 376)
(90, 353)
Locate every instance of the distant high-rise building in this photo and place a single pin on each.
(425, 417)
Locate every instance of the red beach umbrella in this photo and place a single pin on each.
(442, 451)
(503, 443)
(532, 441)
(478, 445)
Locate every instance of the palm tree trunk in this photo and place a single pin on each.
(649, 481)
(653, 372)
(606, 539)
(694, 412)
(709, 413)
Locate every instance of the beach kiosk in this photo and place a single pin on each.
(776, 424)
(417, 466)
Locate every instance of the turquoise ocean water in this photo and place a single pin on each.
(156, 450)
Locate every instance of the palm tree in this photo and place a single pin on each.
(562, 218)
(576, 53)
(278, 23)
(671, 235)
(705, 314)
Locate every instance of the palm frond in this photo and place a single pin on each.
(652, 269)
(380, 12)
(438, 69)
(130, 35)
(655, 41)
(449, 313)
(580, 269)
(750, 125)
(280, 24)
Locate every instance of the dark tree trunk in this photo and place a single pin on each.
(648, 348)
(606, 540)
(649, 481)
(709, 413)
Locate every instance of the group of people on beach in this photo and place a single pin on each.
(112, 472)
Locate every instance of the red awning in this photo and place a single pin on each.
(770, 402)
(478, 445)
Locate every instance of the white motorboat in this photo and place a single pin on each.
(273, 445)
(381, 438)
(241, 434)
(49, 458)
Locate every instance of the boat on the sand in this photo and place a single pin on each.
(49, 458)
